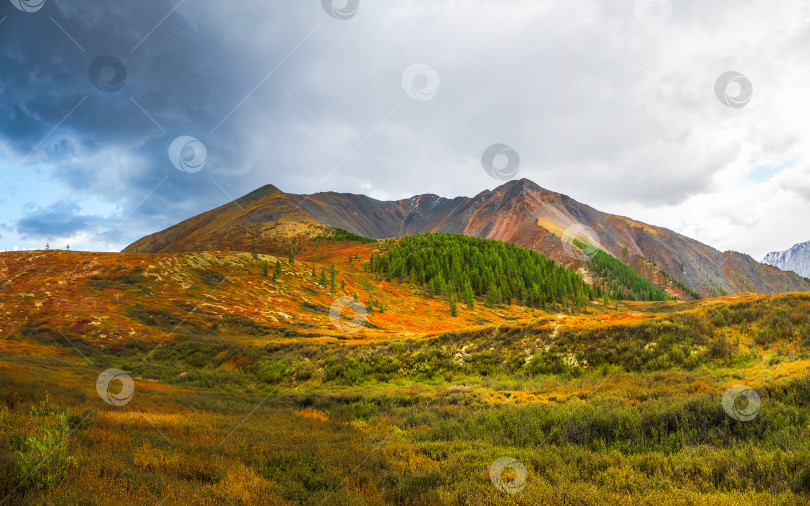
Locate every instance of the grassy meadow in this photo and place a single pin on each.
(608, 408)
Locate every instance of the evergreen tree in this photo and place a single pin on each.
(264, 270)
(489, 301)
(495, 293)
(277, 270)
(469, 295)
(453, 309)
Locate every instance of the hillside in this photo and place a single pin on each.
(110, 298)
(244, 390)
(519, 212)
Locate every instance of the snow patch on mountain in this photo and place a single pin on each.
(796, 259)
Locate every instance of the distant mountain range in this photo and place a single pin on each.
(518, 211)
(796, 259)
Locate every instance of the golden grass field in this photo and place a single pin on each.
(246, 393)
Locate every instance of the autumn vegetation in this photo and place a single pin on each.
(245, 393)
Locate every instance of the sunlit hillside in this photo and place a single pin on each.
(233, 383)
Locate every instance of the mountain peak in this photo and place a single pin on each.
(518, 211)
(522, 185)
(796, 259)
(257, 194)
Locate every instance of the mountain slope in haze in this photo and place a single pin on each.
(518, 211)
(796, 259)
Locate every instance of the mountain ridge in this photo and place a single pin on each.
(518, 211)
(796, 259)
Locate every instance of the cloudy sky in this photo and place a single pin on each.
(626, 105)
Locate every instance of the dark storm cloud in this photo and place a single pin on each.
(181, 79)
(598, 104)
(61, 219)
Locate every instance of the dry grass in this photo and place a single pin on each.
(207, 425)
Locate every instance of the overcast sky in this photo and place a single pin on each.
(616, 104)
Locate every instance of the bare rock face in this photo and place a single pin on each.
(796, 259)
(518, 211)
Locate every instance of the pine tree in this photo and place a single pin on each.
(314, 275)
(469, 295)
(291, 257)
(323, 276)
(496, 294)
(453, 309)
(277, 270)
(264, 270)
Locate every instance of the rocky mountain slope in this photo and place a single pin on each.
(796, 259)
(518, 211)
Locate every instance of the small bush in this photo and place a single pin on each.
(44, 458)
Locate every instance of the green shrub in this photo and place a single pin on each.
(44, 458)
(273, 371)
(346, 370)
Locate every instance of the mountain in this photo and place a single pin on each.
(796, 259)
(519, 211)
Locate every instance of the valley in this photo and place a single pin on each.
(246, 390)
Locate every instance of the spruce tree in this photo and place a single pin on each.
(469, 295)
(489, 301)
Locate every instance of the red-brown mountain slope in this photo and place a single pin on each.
(518, 211)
